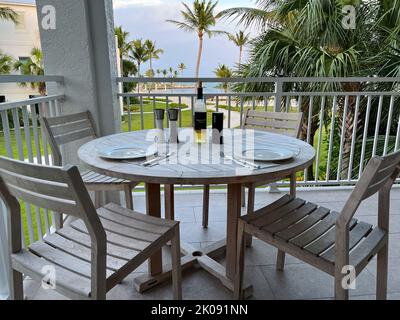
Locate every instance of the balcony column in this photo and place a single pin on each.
(78, 42)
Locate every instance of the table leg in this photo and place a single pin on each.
(153, 207)
(234, 212)
(169, 199)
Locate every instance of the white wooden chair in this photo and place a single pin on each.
(94, 253)
(326, 239)
(70, 128)
(277, 122)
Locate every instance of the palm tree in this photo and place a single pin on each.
(8, 14)
(240, 39)
(171, 71)
(138, 53)
(152, 51)
(176, 74)
(33, 66)
(6, 63)
(181, 67)
(165, 73)
(123, 45)
(223, 71)
(129, 69)
(200, 19)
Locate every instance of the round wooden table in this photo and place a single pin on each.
(190, 163)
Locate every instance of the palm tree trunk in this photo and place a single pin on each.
(199, 55)
(240, 56)
(121, 62)
(151, 64)
(138, 90)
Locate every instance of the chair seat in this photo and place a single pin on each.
(308, 231)
(129, 235)
(94, 178)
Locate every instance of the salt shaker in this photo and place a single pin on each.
(159, 115)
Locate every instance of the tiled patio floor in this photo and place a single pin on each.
(298, 281)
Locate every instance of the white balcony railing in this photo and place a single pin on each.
(347, 128)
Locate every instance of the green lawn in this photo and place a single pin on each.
(148, 106)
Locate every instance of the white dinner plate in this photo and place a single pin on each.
(127, 153)
(269, 154)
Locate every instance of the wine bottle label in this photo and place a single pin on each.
(200, 121)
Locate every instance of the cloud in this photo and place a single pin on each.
(122, 4)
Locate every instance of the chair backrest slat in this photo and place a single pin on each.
(46, 187)
(73, 136)
(66, 129)
(277, 122)
(381, 172)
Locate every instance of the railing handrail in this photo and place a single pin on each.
(260, 79)
(13, 78)
(16, 104)
(262, 94)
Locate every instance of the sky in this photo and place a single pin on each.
(146, 19)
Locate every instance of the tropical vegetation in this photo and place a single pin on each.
(240, 39)
(8, 14)
(33, 66)
(308, 38)
(200, 19)
(223, 71)
(6, 63)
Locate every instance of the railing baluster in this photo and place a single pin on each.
(167, 108)
(192, 107)
(6, 132)
(397, 144)
(28, 213)
(310, 111)
(321, 126)
(389, 125)
(353, 139)
(141, 114)
(217, 103)
(365, 134)
(241, 112)
(328, 165)
(342, 138)
(265, 103)
(27, 131)
(42, 113)
(253, 103)
(377, 126)
(229, 112)
(154, 109)
(128, 103)
(17, 132)
(180, 110)
(287, 102)
(36, 134)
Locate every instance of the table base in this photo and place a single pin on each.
(192, 257)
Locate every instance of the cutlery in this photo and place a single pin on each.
(156, 160)
(245, 164)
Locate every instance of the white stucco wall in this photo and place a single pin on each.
(18, 41)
